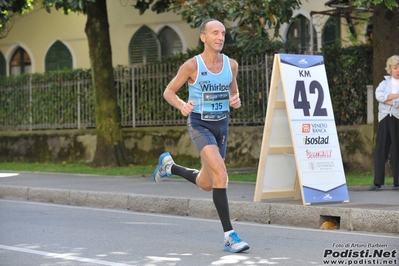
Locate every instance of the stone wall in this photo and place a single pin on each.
(145, 144)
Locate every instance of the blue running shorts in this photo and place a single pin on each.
(205, 133)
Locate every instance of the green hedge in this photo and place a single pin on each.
(54, 99)
(349, 70)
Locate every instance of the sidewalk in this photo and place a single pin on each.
(370, 211)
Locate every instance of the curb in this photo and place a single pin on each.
(381, 221)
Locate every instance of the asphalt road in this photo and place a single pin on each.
(43, 234)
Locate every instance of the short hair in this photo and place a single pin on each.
(392, 61)
(203, 24)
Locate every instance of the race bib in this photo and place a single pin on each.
(215, 105)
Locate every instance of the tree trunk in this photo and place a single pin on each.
(385, 44)
(110, 149)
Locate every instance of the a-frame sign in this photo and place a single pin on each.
(300, 153)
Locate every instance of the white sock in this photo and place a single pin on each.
(169, 168)
(226, 234)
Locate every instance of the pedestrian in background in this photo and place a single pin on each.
(212, 85)
(387, 95)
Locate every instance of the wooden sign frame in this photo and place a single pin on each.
(283, 163)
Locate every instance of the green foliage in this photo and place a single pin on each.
(349, 71)
(159, 7)
(67, 6)
(11, 96)
(274, 47)
(50, 102)
(369, 3)
(10, 7)
(54, 100)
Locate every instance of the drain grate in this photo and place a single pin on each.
(329, 222)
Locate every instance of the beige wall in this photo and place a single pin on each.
(125, 21)
(37, 30)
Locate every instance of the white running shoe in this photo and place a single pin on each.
(234, 243)
(163, 168)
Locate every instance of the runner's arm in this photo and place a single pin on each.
(235, 101)
(183, 75)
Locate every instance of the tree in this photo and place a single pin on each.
(110, 149)
(7, 9)
(385, 39)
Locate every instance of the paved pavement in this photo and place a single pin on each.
(370, 211)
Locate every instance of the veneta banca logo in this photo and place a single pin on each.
(314, 128)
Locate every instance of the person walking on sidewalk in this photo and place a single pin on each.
(387, 94)
(212, 85)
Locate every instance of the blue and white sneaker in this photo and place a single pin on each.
(163, 168)
(234, 244)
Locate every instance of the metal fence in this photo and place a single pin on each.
(66, 101)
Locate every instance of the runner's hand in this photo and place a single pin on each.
(187, 108)
(235, 101)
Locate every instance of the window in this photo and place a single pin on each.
(331, 31)
(170, 42)
(20, 62)
(144, 47)
(58, 57)
(2, 65)
(298, 33)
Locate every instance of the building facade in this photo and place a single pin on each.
(39, 41)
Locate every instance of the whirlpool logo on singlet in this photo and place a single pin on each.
(207, 86)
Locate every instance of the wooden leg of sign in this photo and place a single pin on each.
(297, 187)
(264, 152)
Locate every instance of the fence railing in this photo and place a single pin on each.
(66, 101)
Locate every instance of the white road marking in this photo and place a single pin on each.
(62, 256)
(8, 174)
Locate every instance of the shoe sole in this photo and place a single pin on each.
(246, 247)
(374, 188)
(154, 175)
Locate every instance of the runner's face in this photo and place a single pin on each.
(395, 71)
(214, 35)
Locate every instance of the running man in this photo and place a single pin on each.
(212, 85)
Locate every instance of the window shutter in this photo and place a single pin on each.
(144, 47)
(331, 31)
(58, 57)
(298, 33)
(170, 42)
(20, 62)
(2, 65)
